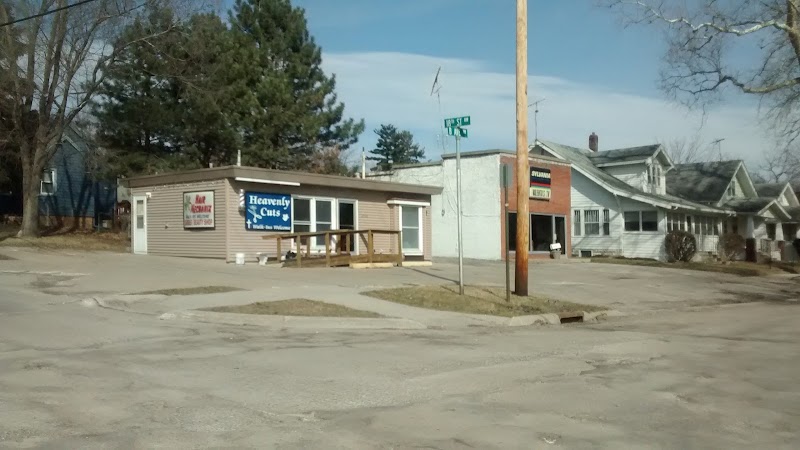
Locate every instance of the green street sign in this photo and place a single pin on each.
(460, 132)
(464, 121)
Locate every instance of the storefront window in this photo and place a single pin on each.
(511, 236)
(410, 222)
(541, 232)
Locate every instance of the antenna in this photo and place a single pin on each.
(536, 118)
(718, 143)
(436, 88)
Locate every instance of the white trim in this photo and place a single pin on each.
(786, 215)
(262, 181)
(134, 213)
(421, 249)
(355, 219)
(53, 181)
(625, 163)
(312, 213)
(636, 197)
(409, 203)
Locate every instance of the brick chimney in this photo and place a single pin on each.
(593, 141)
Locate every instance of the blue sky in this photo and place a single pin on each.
(595, 74)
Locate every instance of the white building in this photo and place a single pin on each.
(638, 195)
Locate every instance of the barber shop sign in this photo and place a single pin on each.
(267, 212)
(198, 209)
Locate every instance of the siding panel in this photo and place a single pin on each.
(373, 212)
(165, 232)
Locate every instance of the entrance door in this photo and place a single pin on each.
(561, 233)
(347, 221)
(411, 229)
(139, 234)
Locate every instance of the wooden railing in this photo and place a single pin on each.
(342, 254)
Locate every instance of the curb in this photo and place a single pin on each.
(295, 322)
(555, 319)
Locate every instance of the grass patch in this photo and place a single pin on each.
(294, 307)
(740, 268)
(477, 300)
(198, 290)
(91, 241)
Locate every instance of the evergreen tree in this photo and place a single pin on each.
(291, 109)
(10, 166)
(395, 147)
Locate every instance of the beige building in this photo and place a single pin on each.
(219, 212)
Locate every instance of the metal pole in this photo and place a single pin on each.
(508, 253)
(458, 207)
(523, 169)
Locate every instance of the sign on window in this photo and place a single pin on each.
(540, 183)
(198, 209)
(267, 212)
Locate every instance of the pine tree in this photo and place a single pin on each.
(292, 110)
(10, 166)
(395, 147)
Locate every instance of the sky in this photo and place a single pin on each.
(591, 73)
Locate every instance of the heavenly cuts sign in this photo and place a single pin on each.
(198, 209)
(267, 212)
(540, 183)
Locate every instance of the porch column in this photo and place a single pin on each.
(750, 253)
(779, 232)
(780, 242)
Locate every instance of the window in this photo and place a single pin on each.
(411, 225)
(632, 221)
(48, 184)
(312, 214)
(641, 220)
(649, 220)
(577, 223)
(606, 223)
(591, 218)
(732, 189)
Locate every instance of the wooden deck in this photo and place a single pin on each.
(337, 244)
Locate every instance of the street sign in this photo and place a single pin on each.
(457, 122)
(461, 132)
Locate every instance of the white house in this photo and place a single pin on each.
(639, 195)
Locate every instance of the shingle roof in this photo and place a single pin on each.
(773, 190)
(701, 182)
(581, 159)
(623, 155)
(794, 212)
(748, 205)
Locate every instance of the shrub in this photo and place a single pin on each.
(731, 245)
(681, 246)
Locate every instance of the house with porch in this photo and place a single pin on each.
(620, 203)
(625, 201)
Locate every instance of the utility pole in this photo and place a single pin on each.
(523, 168)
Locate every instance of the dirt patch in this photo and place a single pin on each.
(89, 241)
(784, 296)
(478, 300)
(5, 258)
(199, 290)
(295, 307)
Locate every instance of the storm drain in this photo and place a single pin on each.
(570, 317)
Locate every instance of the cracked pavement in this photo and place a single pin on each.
(719, 376)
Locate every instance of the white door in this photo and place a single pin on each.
(139, 216)
(411, 229)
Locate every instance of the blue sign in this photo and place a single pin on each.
(267, 212)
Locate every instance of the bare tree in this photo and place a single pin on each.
(687, 150)
(706, 40)
(780, 164)
(65, 50)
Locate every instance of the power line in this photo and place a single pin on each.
(46, 13)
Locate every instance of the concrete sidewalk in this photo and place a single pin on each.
(629, 289)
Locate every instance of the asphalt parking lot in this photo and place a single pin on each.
(688, 368)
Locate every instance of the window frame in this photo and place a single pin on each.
(586, 222)
(420, 230)
(606, 231)
(312, 222)
(640, 228)
(52, 182)
(577, 223)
